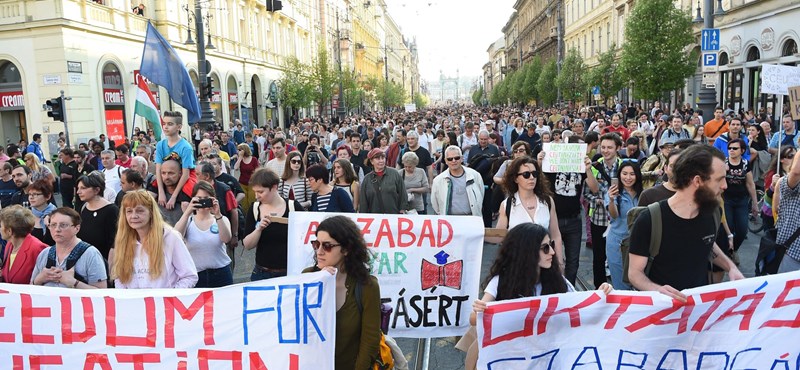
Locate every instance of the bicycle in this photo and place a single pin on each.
(756, 222)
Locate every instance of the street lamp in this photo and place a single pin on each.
(203, 69)
(209, 45)
(189, 16)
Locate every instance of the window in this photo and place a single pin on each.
(789, 48)
(584, 47)
(753, 54)
(600, 39)
(592, 43)
(608, 35)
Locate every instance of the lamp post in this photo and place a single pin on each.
(707, 97)
(203, 69)
(341, 109)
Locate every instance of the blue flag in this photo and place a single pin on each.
(162, 66)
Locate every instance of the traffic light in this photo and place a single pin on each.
(55, 108)
(274, 5)
(209, 87)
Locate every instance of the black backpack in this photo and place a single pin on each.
(73, 258)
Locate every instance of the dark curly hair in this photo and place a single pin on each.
(519, 251)
(356, 256)
(542, 187)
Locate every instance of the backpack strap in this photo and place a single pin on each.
(655, 229)
(509, 202)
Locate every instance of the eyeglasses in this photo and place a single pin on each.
(59, 226)
(528, 174)
(547, 247)
(520, 150)
(35, 194)
(326, 246)
(452, 159)
(631, 160)
(733, 148)
(296, 161)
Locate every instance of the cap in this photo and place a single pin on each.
(665, 118)
(375, 152)
(531, 125)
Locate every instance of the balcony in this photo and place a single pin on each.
(89, 13)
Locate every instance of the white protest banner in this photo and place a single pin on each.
(745, 324)
(563, 157)
(776, 79)
(284, 323)
(427, 266)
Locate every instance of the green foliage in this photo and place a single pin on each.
(322, 79)
(352, 89)
(571, 79)
(606, 75)
(546, 84)
(389, 94)
(519, 86)
(499, 94)
(655, 56)
(421, 101)
(532, 72)
(295, 87)
(477, 95)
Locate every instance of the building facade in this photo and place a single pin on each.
(492, 71)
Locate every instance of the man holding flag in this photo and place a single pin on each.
(162, 66)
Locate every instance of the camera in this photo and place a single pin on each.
(205, 203)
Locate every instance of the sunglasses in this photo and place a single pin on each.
(547, 247)
(451, 159)
(528, 174)
(733, 148)
(326, 246)
(296, 161)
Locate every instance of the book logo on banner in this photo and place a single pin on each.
(443, 273)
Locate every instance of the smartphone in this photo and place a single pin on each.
(615, 182)
(205, 203)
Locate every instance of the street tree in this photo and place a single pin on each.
(477, 95)
(532, 72)
(352, 89)
(322, 79)
(294, 84)
(655, 56)
(571, 79)
(606, 75)
(546, 84)
(421, 100)
(519, 86)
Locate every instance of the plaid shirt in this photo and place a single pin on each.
(787, 217)
(598, 213)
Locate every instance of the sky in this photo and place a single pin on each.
(451, 34)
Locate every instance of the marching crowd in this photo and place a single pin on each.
(170, 214)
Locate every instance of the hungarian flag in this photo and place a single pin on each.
(146, 107)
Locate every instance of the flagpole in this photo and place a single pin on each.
(203, 70)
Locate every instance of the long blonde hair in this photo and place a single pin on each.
(125, 241)
(35, 164)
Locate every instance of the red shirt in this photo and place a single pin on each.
(621, 130)
(246, 170)
(126, 164)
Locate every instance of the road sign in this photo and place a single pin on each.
(596, 90)
(709, 39)
(710, 62)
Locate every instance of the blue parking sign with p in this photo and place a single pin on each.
(709, 59)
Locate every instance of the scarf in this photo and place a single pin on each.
(41, 215)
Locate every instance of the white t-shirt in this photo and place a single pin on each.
(112, 178)
(491, 288)
(520, 215)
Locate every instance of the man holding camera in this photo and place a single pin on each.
(314, 153)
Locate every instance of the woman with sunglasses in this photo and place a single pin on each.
(521, 270)
(518, 150)
(771, 180)
(340, 249)
(294, 184)
(530, 200)
(740, 195)
(622, 196)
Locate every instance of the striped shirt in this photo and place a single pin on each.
(322, 202)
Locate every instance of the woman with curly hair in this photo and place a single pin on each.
(530, 200)
(521, 271)
(340, 247)
(345, 178)
(149, 253)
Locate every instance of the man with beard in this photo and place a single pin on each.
(688, 228)
(170, 174)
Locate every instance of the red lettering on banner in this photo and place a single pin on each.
(205, 301)
(28, 314)
(38, 360)
(206, 355)
(718, 297)
(384, 231)
(782, 302)
(139, 359)
(574, 312)
(747, 313)
(365, 229)
(658, 317)
(114, 340)
(5, 337)
(624, 301)
(93, 359)
(443, 224)
(256, 363)
(67, 335)
(427, 233)
(311, 231)
(16, 362)
(404, 227)
(527, 329)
